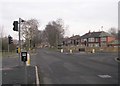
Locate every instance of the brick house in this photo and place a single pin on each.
(96, 39)
(74, 40)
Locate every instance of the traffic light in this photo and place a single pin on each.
(10, 40)
(18, 50)
(15, 25)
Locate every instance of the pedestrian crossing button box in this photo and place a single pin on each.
(24, 56)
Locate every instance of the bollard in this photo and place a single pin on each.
(28, 60)
(93, 50)
(61, 50)
(71, 51)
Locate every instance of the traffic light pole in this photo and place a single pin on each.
(9, 42)
(17, 27)
(19, 40)
(8, 47)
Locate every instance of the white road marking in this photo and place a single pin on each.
(105, 76)
(116, 59)
(6, 69)
(37, 77)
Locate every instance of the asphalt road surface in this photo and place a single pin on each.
(78, 68)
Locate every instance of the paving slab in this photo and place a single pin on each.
(19, 75)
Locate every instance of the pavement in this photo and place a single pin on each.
(19, 75)
(15, 74)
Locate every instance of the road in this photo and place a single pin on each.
(79, 68)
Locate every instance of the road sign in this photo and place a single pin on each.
(24, 56)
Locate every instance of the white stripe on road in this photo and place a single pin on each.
(5, 69)
(105, 76)
(116, 59)
(37, 77)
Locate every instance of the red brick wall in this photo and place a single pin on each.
(109, 39)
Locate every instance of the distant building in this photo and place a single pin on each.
(74, 40)
(96, 39)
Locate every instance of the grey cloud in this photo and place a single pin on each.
(77, 13)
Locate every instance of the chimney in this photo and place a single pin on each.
(89, 31)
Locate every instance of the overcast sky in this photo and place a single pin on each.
(80, 15)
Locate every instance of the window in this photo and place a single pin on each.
(91, 40)
(96, 45)
(103, 44)
(83, 40)
(91, 45)
(103, 39)
(96, 39)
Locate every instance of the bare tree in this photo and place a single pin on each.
(54, 32)
(1, 31)
(1, 36)
(30, 31)
(113, 31)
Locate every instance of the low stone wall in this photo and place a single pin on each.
(90, 49)
(102, 49)
(73, 48)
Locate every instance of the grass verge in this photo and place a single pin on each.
(6, 54)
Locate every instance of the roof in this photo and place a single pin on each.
(96, 34)
(75, 37)
(65, 39)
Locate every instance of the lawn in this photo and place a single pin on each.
(6, 54)
(0, 54)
